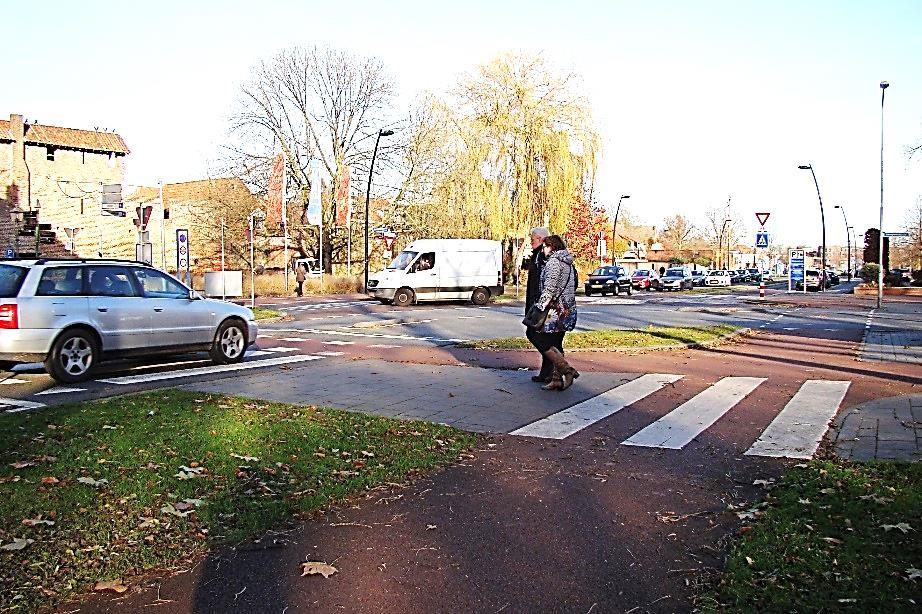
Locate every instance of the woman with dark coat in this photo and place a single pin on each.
(558, 291)
(534, 265)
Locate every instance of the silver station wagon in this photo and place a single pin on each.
(73, 314)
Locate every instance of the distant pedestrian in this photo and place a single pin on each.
(300, 276)
(534, 264)
(558, 292)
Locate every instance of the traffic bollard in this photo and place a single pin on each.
(761, 289)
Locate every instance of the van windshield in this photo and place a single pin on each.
(402, 260)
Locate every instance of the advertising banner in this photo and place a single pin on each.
(796, 269)
(313, 203)
(343, 201)
(276, 192)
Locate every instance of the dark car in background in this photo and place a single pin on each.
(755, 275)
(607, 279)
(698, 276)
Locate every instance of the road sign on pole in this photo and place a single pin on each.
(796, 269)
(182, 255)
(762, 217)
(762, 239)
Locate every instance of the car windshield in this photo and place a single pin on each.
(402, 260)
(603, 271)
(641, 273)
(716, 273)
(11, 279)
(675, 274)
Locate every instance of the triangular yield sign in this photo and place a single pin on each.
(762, 217)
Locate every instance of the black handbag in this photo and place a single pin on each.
(535, 317)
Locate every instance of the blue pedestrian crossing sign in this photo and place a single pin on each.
(762, 239)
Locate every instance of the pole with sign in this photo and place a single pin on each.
(796, 269)
(182, 256)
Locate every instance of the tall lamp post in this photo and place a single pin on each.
(371, 170)
(848, 242)
(614, 228)
(880, 246)
(804, 167)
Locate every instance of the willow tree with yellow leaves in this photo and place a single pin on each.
(513, 147)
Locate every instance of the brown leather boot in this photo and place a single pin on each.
(556, 382)
(566, 373)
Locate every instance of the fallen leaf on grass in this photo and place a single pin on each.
(765, 483)
(876, 499)
(914, 574)
(22, 464)
(17, 544)
(169, 509)
(50, 480)
(902, 526)
(246, 459)
(804, 501)
(115, 586)
(312, 568)
(187, 473)
(109, 427)
(832, 540)
(749, 561)
(31, 522)
(92, 482)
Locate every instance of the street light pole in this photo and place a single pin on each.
(614, 228)
(848, 242)
(822, 222)
(880, 246)
(371, 170)
(720, 243)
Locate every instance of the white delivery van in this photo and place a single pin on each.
(441, 269)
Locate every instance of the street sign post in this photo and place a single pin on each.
(762, 239)
(182, 255)
(762, 217)
(796, 269)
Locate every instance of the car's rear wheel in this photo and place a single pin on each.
(73, 356)
(403, 297)
(480, 296)
(230, 342)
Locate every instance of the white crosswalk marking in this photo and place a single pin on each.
(59, 390)
(338, 342)
(330, 353)
(12, 406)
(251, 353)
(574, 419)
(680, 426)
(280, 348)
(294, 339)
(797, 431)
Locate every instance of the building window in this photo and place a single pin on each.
(49, 154)
(166, 214)
(81, 206)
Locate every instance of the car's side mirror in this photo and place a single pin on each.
(193, 296)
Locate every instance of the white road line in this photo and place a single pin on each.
(330, 353)
(253, 364)
(680, 426)
(294, 339)
(13, 406)
(384, 346)
(470, 317)
(317, 331)
(59, 390)
(280, 348)
(338, 342)
(257, 353)
(573, 419)
(13, 380)
(796, 432)
(790, 328)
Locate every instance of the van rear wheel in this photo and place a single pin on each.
(480, 296)
(403, 297)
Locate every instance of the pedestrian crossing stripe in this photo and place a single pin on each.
(796, 432)
(574, 419)
(679, 427)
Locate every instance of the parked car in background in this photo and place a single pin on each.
(812, 279)
(73, 314)
(721, 277)
(676, 279)
(698, 276)
(607, 279)
(833, 276)
(644, 279)
(744, 276)
(755, 275)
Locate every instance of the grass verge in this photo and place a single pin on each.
(261, 313)
(830, 537)
(105, 490)
(651, 336)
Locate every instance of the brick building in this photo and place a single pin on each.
(60, 173)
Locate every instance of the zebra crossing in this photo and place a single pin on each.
(796, 432)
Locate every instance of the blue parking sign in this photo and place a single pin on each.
(10, 252)
(762, 239)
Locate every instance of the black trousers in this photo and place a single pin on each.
(543, 342)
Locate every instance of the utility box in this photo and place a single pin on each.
(220, 284)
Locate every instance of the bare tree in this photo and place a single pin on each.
(722, 229)
(678, 231)
(312, 104)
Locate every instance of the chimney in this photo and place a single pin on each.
(19, 191)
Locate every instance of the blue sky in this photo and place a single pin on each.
(695, 102)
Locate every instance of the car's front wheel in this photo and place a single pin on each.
(403, 297)
(480, 296)
(73, 356)
(230, 342)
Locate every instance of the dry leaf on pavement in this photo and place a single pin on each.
(313, 568)
(115, 586)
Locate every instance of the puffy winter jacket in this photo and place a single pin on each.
(558, 281)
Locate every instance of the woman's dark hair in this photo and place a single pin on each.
(555, 243)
